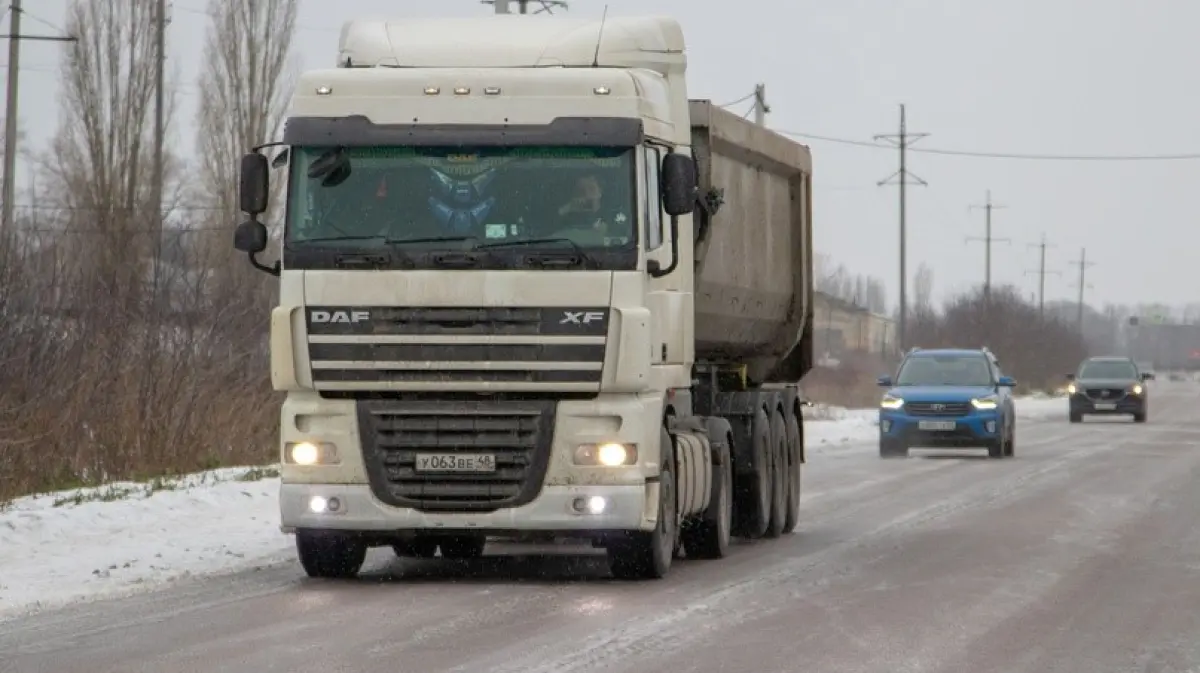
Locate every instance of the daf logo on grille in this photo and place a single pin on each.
(938, 407)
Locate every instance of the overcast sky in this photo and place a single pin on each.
(1064, 77)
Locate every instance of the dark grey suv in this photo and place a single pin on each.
(1109, 385)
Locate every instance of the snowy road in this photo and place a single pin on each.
(1080, 555)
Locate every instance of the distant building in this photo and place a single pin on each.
(841, 327)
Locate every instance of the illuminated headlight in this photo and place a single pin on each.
(1137, 389)
(890, 402)
(985, 403)
(1071, 389)
(322, 505)
(311, 453)
(609, 454)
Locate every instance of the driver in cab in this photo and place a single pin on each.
(582, 216)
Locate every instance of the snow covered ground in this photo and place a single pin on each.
(123, 537)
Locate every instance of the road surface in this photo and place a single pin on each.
(1082, 555)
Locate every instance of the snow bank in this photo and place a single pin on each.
(123, 537)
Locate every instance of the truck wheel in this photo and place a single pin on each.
(330, 555)
(795, 440)
(752, 506)
(779, 475)
(461, 547)
(647, 555)
(708, 535)
(420, 546)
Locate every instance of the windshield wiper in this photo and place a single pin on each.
(583, 256)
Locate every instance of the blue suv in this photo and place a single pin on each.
(947, 398)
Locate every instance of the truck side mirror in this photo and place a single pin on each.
(255, 184)
(250, 237)
(678, 184)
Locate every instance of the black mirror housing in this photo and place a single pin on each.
(255, 184)
(679, 184)
(250, 237)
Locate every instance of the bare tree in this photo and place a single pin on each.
(247, 82)
(923, 287)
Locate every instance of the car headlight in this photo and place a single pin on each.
(1137, 389)
(985, 403)
(889, 402)
(1071, 389)
(609, 454)
(311, 453)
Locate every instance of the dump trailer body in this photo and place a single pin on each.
(753, 291)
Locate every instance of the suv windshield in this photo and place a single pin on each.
(429, 195)
(1108, 369)
(945, 370)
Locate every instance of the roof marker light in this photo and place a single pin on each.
(601, 91)
(491, 91)
(461, 91)
(432, 91)
(324, 91)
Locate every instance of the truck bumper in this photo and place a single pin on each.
(556, 509)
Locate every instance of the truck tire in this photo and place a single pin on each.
(420, 546)
(708, 535)
(462, 547)
(648, 555)
(779, 475)
(330, 556)
(752, 506)
(795, 447)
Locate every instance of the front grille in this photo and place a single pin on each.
(937, 408)
(527, 349)
(1105, 394)
(518, 434)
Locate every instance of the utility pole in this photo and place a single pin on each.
(505, 6)
(760, 104)
(987, 240)
(1041, 273)
(11, 110)
(902, 140)
(160, 91)
(1083, 265)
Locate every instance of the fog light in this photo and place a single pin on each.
(305, 453)
(597, 505)
(886, 426)
(332, 505)
(318, 505)
(991, 426)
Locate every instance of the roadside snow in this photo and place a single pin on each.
(125, 537)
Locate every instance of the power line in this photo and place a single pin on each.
(1188, 156)
(1041, 273)
(987, 240)
(902, 141)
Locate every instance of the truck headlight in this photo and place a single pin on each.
(985, 403)
(609, 454)
(890, 402)
(311, 453)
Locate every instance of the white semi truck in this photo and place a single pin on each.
(529, 289)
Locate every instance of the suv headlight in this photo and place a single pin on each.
(985, 403)
(1137, 389)
(890, 402)
(1071, 389)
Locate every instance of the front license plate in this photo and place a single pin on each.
(1105, 406)
(937, 425)
(456, 462)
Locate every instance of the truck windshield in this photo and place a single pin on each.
(583, 196)
(945, 370)
(1100, 369)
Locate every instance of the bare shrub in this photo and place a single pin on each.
(124, 354)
